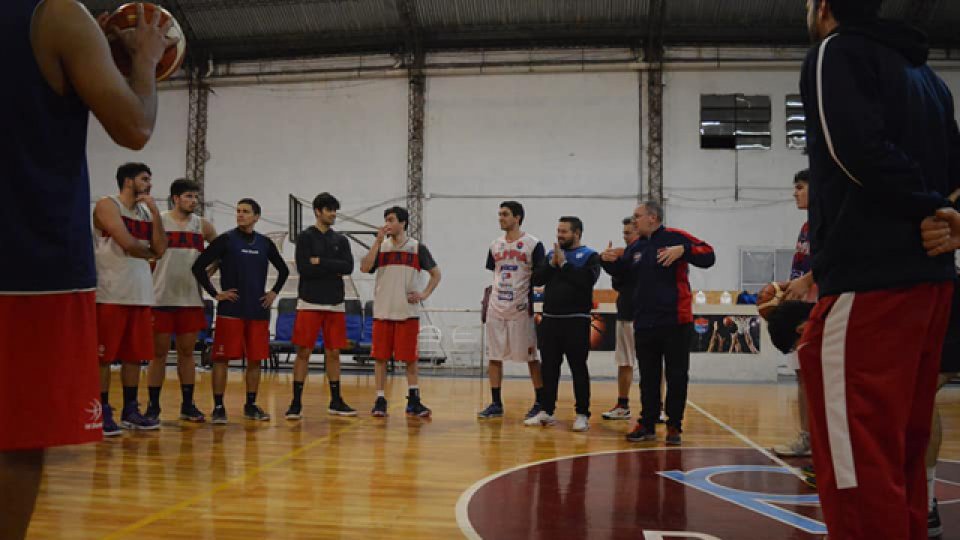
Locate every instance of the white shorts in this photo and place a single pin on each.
(514, 340)
(625, 353)
(793, 361)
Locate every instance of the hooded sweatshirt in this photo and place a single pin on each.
(884, 153)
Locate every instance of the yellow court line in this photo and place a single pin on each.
(166, 512)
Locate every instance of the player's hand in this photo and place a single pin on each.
(148, 40)
(559, 256)
(102, 22)
(610, 254)
(669, 255)
(415, 297)
(381, 234)
(941, 232)
(228, 295)
(267, 299)
(148, 200)
(314, 260)
(797, 289)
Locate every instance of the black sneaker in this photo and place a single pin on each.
(191, 413)
(340, 408)
(673, 436)
(934, 527)
(535, 410)
(152, 412)
(809, 476)
(641, 434)
(380, 407)
(254, 412)
(219, 415)
(493, 410)
(416, 408)
(293, 411)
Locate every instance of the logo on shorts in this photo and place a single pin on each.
(101, 350)
(95, 410)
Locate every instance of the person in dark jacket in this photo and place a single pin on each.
(323, 257)
(884, 152)
(242, 328)
(568, 278)
(663, 317)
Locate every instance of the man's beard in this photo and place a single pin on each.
(565, 244)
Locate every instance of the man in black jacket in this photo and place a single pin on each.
(323, 257)
(568, 281)
(884, 152)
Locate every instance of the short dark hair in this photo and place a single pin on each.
(515, 208)
(853, 11)
(183, 185)
(402, 215)
(655, 208)
(253, 204)
(783, 322)
(628, 220)
(327, 201)
(802, 176)
(574, 222)
(130, 170)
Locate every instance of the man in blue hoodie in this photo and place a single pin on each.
(884, 151)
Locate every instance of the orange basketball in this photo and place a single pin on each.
(770, 297)
(126, 17)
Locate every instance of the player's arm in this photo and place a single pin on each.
(430, 265)
(212, 255)
(127, 109)
(543, 268)
(369, 262)
(584, 277)
(342, 265)
(208, 231)
(282, 271)
(491, 264)
(158, 238)
(106, 217)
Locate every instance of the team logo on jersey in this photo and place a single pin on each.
(580, 255)
(519, 245)
(637, 256)
(95, 410)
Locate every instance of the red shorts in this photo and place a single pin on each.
(124, 333)
(178, 320)
(333, 325)
(48, 357)
(397, 339)
(241, 338)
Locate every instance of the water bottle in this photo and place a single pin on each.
(725, 298)
(701, 298)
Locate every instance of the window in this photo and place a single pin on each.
(735, 122)
(796, 123)
(759, 266)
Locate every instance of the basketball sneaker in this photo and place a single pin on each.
(581, 423)
(219, 415)
(153, 411)
(809, 476)
(110, 428)
(190, 413)
(379, 407)
(673, 436)
(934, 527)
(799, 447)
(254, 412)
(617, 413)
(542, 418)
(131, 418)
(641, 434)
(340, 408)
(535, 410)
(416, 408)
(293, 411)
(493, 410)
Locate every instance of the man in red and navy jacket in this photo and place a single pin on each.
(658, 266)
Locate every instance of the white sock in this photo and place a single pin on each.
(380, 393)
(931, 481)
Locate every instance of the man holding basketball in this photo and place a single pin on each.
(47, 305)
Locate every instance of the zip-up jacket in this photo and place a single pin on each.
(322, 283)
(884, 152)
(568, 290)
(661, 295)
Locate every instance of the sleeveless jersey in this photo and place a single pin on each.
(512, 265)
(173, 281)
(398, 272)
(122, 279)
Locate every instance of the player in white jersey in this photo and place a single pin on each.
(510, 330)
(179, 305)
(128, 230)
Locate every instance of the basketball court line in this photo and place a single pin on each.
(170, 510)
(770, 455)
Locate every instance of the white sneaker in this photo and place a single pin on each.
(540, 419)
(581, 423)
(617, 413)
(800, 447)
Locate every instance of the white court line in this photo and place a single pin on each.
(795, 471)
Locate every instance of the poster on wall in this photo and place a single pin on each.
(726, 334)
(603, 331)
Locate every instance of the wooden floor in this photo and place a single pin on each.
(328, 477)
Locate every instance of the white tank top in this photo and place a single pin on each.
(122, 279)
(173, 281)
(398, 270)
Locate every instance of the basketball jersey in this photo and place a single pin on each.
(801, 257)
(244, 267)
(173, 281)
(397, 273)
(512, 264)
(122, 279)
(43, 171)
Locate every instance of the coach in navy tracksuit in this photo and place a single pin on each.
(663, 319)
(884, 151)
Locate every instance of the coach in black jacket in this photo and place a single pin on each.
(323, 257)
(884, 152)
(663, 319)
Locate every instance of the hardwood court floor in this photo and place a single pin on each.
(328, 477)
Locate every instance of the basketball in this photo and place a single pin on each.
(126, 17)
(728, 322)
(770, 297)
